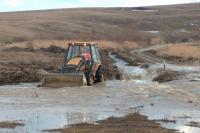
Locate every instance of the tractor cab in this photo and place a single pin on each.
(88, 51)
(82, 66)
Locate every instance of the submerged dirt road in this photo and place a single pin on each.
(176, 103)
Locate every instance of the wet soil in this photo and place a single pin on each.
(11, 124)
(194, 124)
(126, 56)
(110, 70)
(50, 49)
(165, 120)
(53, 49)
(25, 65)
(128, 124)
(167, 75)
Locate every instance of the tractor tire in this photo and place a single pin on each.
(100, 75)
(90, 79)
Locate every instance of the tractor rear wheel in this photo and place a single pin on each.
(100, 74)
(90, 79)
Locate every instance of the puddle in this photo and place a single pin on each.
(179, 112)
(165, 111)
(39, 119)
(144, 10)
(56, 108)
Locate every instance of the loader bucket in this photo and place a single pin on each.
(58, 80)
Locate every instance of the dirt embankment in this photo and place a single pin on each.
(11, 124)
(26, 65)
(130, 59)
(110, 71)
(133, 123)
(167, 75)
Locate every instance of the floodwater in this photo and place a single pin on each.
(55, 108)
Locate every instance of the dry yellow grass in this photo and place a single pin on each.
(117, 45)
(183, 51)
(37, 44)
(103, 44)
(113, 24)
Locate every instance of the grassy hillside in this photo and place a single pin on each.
(172, 23)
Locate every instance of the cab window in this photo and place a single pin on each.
(73, 51)
(94, 54)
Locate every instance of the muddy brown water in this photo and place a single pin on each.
(177, 100)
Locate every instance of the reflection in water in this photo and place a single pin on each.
(84, 117)
(187, 129)
(145, 77)
(38, 120)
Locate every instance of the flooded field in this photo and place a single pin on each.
(177, 102)
(151, 56)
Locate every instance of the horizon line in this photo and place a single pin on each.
(49, 9)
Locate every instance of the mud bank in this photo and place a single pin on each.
(110, 70)
(129, 124)
(11, 124)
(25, 65)
(11, 73)
(167, 75)
(126, 56)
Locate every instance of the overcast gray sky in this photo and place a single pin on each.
(20, 5)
